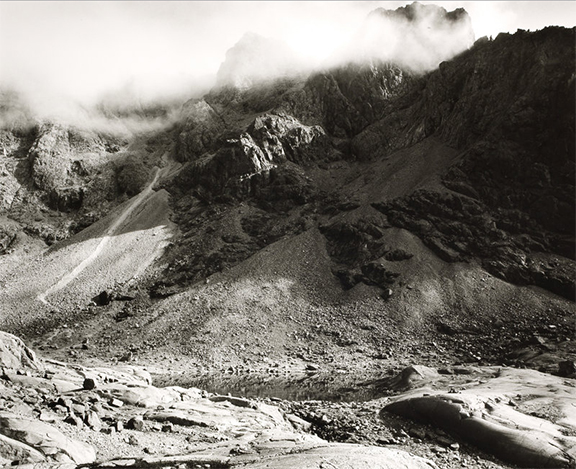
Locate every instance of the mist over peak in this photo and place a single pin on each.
(255, 59)
(416, 37)
(65, 58)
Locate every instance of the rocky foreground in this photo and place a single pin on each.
(54, 414)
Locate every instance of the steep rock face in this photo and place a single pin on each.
(55, 180)
(504, 104)
(243, 162)
(346, 99)
(200, 129)
(507, 103)
(282, 137)
(53, 169)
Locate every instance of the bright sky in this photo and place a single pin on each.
(82, 49)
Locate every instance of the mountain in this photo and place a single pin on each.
(468, 167)
(360, 218)
(417, 37)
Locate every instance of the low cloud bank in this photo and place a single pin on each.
(417, 37)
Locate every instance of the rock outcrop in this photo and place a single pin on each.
(226, 431)
(499, 415)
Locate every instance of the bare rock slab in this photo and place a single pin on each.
(14, 353)
(523, 417)
(345, 455)
(45, 439)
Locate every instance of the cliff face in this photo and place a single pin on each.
(505, 106)
(508, 104)
(57, 179)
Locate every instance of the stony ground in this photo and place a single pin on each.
(56, 412)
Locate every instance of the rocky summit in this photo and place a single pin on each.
(366, 264)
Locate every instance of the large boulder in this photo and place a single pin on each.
(14, 353)
(521, 416)
(46, 439)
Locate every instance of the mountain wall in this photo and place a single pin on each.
(505, 106)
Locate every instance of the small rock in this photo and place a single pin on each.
(167, 428)
(128, 357)
(93, 421)
(118, 426)
(135, 423)
(73, 419)
(455, 446)
(48, 417)
(66, 403)
(102, 299)
(438, 450)
(116, 403)
(386, 441)
(387, 293)
(417, 433)
(567, 369)
(79, 409)
(132, 440)
(89, 384)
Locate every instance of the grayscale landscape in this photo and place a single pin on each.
(364, 261)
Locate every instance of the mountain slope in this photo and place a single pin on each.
(365, 214)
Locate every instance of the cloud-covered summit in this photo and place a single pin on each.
(417, 37)
(255, 59)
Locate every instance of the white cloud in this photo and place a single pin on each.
(84, 49)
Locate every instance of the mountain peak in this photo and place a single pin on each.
(255, 59)
(416, 12)
(416, 37)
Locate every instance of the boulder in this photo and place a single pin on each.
(14, 353)
(523, 417)
(522, 447)
(46, 439)
(15, 451)
(410, 377)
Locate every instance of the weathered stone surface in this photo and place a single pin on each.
(481, 415)
(14, 353)
(345, 455)
(45, 438)
(14, 450)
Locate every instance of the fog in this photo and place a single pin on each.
(417, 38)
(66, 57)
